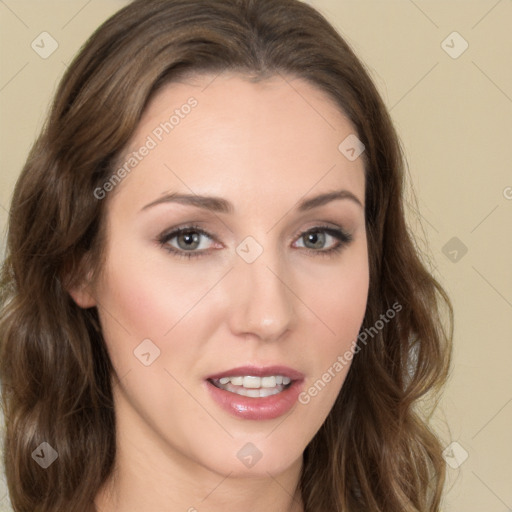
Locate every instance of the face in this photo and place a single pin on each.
(236, 272)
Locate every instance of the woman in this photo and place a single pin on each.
(211, 300)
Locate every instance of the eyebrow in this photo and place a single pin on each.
(220, 205)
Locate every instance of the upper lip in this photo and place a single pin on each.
(259, 371)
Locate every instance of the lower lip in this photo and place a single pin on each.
(264, 408)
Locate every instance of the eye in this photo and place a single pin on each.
(188, 242)
(317, 238)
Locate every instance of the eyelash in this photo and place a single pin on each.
(341, 235)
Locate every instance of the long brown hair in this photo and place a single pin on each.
(375, 450)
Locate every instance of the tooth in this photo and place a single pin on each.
(237, 381)
(253, 393)
(251, 382)
(286, 380)
(268, 392)
(224, 380)
(279, 379)
(268, 382)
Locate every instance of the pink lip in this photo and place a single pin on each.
(265, 408)
(256, 371)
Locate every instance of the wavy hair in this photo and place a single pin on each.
(375, 451)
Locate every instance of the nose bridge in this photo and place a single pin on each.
(261, 302)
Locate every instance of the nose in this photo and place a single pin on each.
(262, 302)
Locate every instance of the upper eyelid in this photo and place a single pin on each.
(173, 233)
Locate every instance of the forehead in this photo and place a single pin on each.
(225, 135)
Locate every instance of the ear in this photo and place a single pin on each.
(82, 295)
(80, 288)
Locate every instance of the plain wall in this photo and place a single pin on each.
(454, 116)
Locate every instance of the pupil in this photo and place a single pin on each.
(316, 239)
(191, 240)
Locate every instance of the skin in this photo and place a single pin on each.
(262, 146)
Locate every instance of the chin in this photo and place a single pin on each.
(250, 457)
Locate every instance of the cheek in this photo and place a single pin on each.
(133, 306)
(345, 305)
(339, 305)
(148, 296)
(141, 299)
(130, 301)
(340, 296)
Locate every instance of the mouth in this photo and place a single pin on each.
(256, 393)
(253, 386)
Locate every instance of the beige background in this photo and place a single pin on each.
(454, 116)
